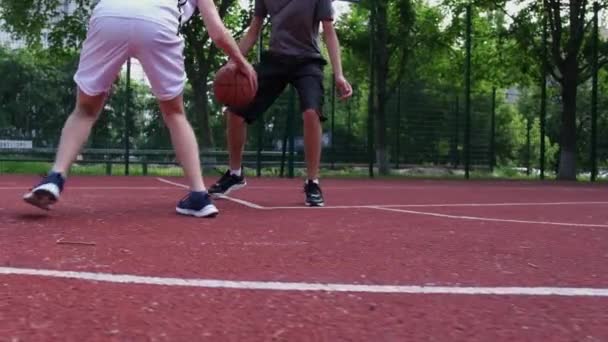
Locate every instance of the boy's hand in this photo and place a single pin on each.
(247, 69)
(344, 88)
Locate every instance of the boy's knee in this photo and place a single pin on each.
(172, 108)
(173, 119)
(88, 109)
(238, 118)
(172, 115)
(234, 118)
(311, 114)
(89, 106)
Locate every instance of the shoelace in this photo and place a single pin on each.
(226, 178)
(46, 179)
(312, 187)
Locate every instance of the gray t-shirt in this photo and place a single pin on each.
(295, 24)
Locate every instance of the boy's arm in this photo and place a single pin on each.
(218, 32)
(223, 39)
(252, 35)
(333, 47)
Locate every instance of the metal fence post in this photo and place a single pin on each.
(467, 103)
(398, 129)
(372, 94)
(543, 99)
(127, 117)
(493, 132)
(290, 128)
(260, 125)
(594, 91)
(333, 122)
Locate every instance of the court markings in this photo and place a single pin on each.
(304, 286)
(393, 208)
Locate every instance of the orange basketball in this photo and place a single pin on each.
(232, 88)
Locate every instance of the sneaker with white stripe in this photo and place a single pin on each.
(314, 195)
(197, 204)
(47, 192)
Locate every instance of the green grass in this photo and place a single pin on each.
(500, 173)
(24, 167)
(86, 169)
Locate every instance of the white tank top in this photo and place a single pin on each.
(169, 13)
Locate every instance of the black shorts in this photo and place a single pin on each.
(275, 72)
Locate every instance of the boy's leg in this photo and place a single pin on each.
(183, 140)
(313, 133)
(77, 129)
(104, 52)
(236, 136)
(310, 89)
(272, 80)
(160, 52)
(312, 149)
(74, 135)
(236, 133)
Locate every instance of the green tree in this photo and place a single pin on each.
(202, 58)
(36, 93)
(568, 60)
(33, 20)
(391, 25)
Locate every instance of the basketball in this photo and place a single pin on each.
(232, 88)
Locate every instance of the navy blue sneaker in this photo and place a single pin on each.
(47, 192)
(197, 204)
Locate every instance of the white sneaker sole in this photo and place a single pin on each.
(230, 190)
(208, 211)
(315, 204)
(43, 196)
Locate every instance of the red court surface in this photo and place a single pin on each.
(384, 261)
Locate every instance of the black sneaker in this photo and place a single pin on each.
(47, 192)
(314, 195)
(227, 184)
(197, 204)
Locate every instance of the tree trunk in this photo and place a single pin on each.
(196, 61)
(381, 66)
(201, 109)
(567, 163)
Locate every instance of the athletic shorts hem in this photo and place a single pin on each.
(169, 97)
(87, 90)
(319, 112)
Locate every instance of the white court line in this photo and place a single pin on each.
(388, 206)
(236, 200)
(166, 181)
(474, 218)
(299, 287)
(507, 204)
(436, 186)
(440, 205)
(243, 202)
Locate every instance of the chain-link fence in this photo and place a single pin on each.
(427, 127)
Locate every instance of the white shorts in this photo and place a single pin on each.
(112, 40)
